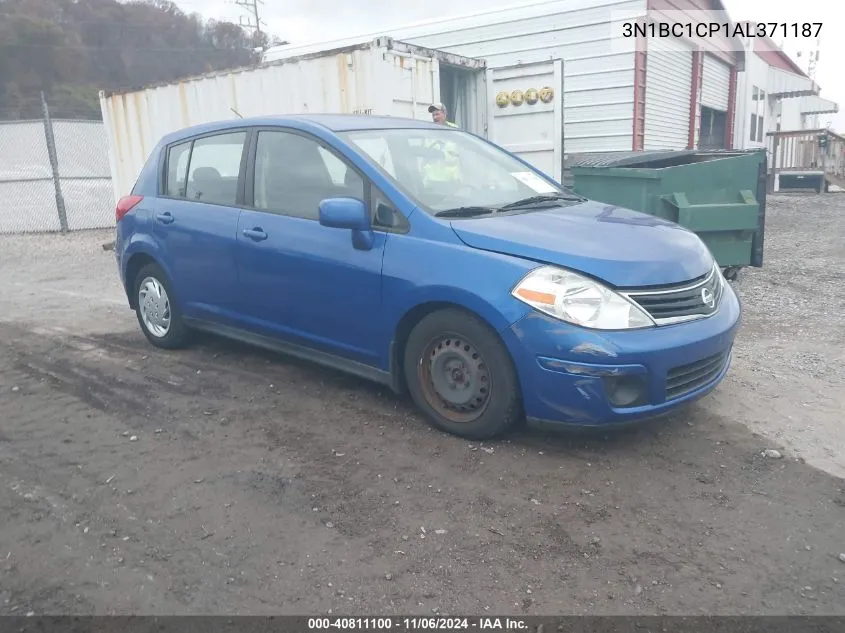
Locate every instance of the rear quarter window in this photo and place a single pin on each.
(177, 169)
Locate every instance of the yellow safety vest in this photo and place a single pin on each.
(445, 170)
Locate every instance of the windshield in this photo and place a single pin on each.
(449, 169)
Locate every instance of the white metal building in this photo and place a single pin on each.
(774, 94)
(615, 97)
(779, 109)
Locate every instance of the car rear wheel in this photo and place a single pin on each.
(160, 319)
(460, 374)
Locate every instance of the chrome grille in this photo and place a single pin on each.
(681, 302)
(687, 378)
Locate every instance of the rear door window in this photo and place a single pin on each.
(214, 167)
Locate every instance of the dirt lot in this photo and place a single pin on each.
(223, 479)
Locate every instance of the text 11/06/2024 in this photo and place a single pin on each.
(713, 29)
(423, 623)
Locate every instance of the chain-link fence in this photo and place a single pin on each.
(54, 176)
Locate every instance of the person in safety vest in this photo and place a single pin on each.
(448, 168)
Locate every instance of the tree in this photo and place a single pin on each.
(71, 49)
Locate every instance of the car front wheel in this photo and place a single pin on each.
(461, 375)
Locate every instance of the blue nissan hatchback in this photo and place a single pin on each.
(427, 259)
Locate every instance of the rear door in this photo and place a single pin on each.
(196, 219)
(525, 115)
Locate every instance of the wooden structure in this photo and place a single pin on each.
(800, 156)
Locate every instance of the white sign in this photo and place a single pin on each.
(534, 181)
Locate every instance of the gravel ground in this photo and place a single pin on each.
(222, 479)
(792, 348)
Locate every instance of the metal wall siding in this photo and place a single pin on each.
(690, 12)
(598, 77)
(715, 85)
(668, 78)
(521, 39)
(531, 132)
(343, 83)
(615, 97)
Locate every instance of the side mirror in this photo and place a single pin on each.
(349, 213)
(344, 213)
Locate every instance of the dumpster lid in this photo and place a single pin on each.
(652, 158)
(624, 159)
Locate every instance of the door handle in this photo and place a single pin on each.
(164, 218)
(257, 234)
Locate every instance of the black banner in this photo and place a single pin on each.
(409, 624)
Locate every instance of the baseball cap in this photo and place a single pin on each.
(436, 106)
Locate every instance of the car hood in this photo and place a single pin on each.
(621, 247)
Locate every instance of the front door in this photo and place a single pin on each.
(298, 279)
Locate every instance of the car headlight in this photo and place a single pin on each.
(579, 300)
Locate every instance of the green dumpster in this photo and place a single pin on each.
(718, 194)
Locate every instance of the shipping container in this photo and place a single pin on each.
(599, 67)
(517, 106)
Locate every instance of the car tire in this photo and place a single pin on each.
(159, 317)
(460, 374)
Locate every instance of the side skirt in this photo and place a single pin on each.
(367, 372)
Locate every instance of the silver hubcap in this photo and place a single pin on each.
(155, 307)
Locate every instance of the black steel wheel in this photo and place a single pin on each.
(460, 374)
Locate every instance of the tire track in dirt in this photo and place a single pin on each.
(118, 514)
(256, 480)
(573, 520)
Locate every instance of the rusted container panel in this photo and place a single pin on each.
(381, 77)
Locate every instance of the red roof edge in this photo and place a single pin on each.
(766, 49)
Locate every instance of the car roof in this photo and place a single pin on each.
(332, 122)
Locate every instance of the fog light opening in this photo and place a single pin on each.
(625, 391)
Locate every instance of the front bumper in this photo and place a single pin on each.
(568, 374)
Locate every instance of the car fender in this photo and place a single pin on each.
(494, 313)
(422, 300)
(141, 244)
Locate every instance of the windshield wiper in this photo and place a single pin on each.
(465, 212)
(553, 197)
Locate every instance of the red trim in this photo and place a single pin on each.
(773, 55)
(640, 62)
(695, 89)
(729, 123)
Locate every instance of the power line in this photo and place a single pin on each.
(252, 7)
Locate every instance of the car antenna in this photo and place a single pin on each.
(236, 112)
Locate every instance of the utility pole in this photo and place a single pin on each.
(54, 163)
(254, 20)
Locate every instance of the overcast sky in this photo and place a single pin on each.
(302, 21)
